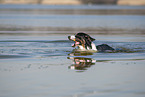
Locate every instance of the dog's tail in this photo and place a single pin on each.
(104, 47)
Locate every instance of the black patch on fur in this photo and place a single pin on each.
(85, 39)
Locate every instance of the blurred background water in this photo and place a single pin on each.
(72, 17)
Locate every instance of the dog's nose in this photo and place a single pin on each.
(69, 37)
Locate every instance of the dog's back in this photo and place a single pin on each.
(104, 47)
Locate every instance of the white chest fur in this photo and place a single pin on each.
(84, 49)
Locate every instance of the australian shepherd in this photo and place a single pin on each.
(84, 42)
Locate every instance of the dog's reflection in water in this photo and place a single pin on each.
(81, 63)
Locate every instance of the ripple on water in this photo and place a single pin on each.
(49, 48)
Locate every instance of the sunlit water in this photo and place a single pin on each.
(42, 63)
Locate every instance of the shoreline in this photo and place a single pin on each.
(75, 2)
(79, 11)
(46, 32)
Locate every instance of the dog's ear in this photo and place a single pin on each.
(89, 38)
(88, 41)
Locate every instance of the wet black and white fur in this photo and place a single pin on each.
(84, 42)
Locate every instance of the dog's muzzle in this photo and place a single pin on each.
(71, 38)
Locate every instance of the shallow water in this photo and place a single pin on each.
(40, 65)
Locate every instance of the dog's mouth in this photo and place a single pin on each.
(76, 44)
(73, 38)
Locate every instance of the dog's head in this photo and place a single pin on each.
(82, 39)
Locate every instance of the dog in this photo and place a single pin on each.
(84, 42)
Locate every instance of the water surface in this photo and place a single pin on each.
(40, 65)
